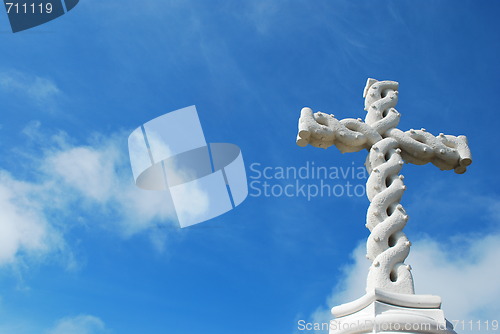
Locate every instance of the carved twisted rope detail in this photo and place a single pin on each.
(388, 147)
(418, 146)
(387, 246)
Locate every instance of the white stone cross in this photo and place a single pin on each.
(389, 147)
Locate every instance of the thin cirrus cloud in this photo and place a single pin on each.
(36, 213)
(39, 90)
(93, 178)
(81, 324)
(24, 229)
(99, 175)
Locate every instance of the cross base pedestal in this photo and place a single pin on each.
(389, 313)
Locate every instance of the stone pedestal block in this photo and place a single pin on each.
(387, 312)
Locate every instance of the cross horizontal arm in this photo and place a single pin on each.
(444, 151)
(352, 135)
(323, 130)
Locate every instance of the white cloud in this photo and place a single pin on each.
(464, 271)
(24, 229)
(74, 184)
(85, 169)
(351, 287)
(81, 324)
(37, 89)
(99, 177)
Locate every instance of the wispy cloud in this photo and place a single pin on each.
(74, 185)
(262, 14)
(24, 228)
(349, 288)
(81, 324)
(98, 176)
(40, 91)
(463, 272)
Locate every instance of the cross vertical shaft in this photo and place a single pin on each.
(387, 246)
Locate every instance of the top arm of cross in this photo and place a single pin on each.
(351, 135)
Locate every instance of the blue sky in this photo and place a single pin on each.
(83, 251)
